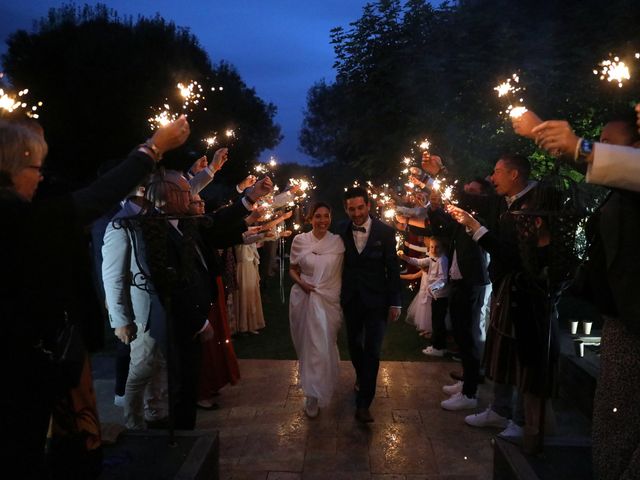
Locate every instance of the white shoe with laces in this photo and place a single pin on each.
(488, 418)
(459, 401)
(452, 389)
(512, 431)
(433, 352)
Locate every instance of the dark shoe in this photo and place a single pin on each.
(460, 378)
(363, 415)
(162, 424)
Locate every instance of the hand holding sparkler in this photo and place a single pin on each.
(271, 224)
(255, 215)
(525, 123)
(170, 136)
(247, 182)
(463, 217)
(557, 137)
(219, 159)
(262, 187)
(432, 164)
(199, 165)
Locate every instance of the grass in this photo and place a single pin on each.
(274, 342)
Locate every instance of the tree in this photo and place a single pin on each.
(99, 75)
(408, 71)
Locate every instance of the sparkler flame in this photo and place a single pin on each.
(10, 103)
(614, 70)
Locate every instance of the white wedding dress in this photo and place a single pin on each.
(315, 318)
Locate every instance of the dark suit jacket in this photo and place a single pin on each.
(374, 274)
(471, 259)
(193, 289)
(616, 284)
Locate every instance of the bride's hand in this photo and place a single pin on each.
(307, 287)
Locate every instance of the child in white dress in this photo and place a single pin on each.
(429, 308)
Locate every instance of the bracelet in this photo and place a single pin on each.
(576, 153)
(154, 148)
(144, 148)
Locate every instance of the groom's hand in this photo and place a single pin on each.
(394, 314)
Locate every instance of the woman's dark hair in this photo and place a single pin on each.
(315, 208)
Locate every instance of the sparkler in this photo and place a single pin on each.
(191, 95)
(508, 89)
(614, 70)
(10, 103)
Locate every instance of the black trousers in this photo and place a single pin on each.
(462, 299)
(439, 308)
(365, 332)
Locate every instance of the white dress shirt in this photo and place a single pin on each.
(360, 238)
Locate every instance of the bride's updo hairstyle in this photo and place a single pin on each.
(314, 208)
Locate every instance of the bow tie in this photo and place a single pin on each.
(355, 228)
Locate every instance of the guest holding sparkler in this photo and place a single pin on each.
(46, 271)
(613, 268)
(315, 314)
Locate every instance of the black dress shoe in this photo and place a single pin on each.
(161, 424)
(363, 415)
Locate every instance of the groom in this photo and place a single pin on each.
(370, 293)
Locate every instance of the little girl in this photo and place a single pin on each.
(429, 308)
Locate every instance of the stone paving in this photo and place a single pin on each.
(264, 433)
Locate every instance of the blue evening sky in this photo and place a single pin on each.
(280, 47)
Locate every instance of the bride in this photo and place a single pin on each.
(314, 307)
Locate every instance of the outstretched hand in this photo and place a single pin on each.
(219, 159)
(524, 124)
(463, 217)
(557, 137)
(171, 135)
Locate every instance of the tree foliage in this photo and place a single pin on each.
(406, 71)
(98, 74)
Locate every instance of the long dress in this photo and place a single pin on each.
(248, 302)
(434, 273)
(315, 318)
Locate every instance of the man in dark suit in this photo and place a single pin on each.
(468, 277)
(370, 295)
(188, 296)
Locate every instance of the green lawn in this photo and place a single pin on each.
(274, 342)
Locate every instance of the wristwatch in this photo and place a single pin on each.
(583, 150)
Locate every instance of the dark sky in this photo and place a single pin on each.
(280, 47)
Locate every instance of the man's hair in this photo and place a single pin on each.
(354, 192)
(20, 147)
(162, 185)
(485, 186)
(519, 163)
(628, 120)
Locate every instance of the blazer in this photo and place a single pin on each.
(374, 274)
(470, 257)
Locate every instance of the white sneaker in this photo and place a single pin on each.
(118, 400)
(311, 407)
(433, 352)
(513, 430)
(488, 418)
(452, 389)
(458, 401)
